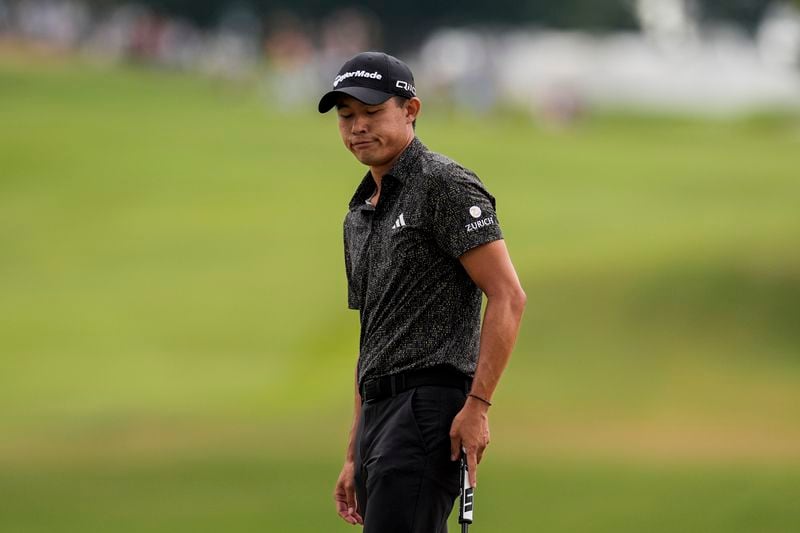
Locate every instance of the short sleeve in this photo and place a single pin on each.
(464, 214)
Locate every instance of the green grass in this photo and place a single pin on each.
(176, 353)
(265, 494)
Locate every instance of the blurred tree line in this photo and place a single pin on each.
(412, 19)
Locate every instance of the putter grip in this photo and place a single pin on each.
(466, 499)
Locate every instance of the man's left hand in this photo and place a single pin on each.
(470, 430)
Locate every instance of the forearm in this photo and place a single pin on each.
(501, 323)
(351, 444)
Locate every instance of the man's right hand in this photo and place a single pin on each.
(345, 495)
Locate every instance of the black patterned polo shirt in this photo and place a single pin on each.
(418, 307)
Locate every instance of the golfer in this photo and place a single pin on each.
(422, 242)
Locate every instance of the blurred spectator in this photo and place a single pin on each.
(779, 36)
(292, 79)
(147, 36)
(60, 24)
(113, 34)
(5, 18)
(183, 45)
(460, 64)
(288, 43)
(234, 49)
(669, 24)
(679, 61)
(345, 33)
(561, 107)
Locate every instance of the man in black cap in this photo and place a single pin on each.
(422, 244)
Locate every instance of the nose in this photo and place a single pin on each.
(359, 123)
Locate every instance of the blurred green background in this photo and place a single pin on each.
(176, 353)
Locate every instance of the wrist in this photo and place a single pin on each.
(478, 402)
(350, 455)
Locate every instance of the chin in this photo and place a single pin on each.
(368, 158)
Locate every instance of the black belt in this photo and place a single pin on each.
(386, 386)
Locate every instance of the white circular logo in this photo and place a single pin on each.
(475, 211)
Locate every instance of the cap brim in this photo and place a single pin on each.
(363, 94)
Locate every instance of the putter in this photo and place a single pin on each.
(465, 503)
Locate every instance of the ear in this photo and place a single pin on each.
(413, 107)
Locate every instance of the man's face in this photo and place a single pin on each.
(375, 134)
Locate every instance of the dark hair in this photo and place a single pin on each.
(401, 101)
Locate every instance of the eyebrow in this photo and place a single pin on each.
(340, 106)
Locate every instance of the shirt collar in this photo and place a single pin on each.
(406, 166)
(363, 192)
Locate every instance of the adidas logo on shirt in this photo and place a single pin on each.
(400, 222)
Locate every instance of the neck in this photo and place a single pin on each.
(379, 171)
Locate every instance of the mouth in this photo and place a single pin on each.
(361, 144)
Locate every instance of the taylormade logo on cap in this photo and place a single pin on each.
(358, 74)
(371, 78)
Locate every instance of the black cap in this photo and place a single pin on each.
(371, 77)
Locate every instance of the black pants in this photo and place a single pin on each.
(405, 480)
